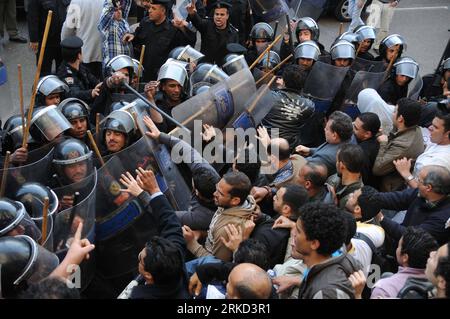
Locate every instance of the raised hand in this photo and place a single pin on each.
(131, 184)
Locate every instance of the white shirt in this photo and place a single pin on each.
(434, 155)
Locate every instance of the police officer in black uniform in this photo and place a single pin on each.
(433, 84)
(216, 33)
(159, 36)
(82, 83)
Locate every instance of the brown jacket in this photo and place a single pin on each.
(213, 245)
(409, 144)
(297, 163)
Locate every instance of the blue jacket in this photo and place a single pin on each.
(419, 213)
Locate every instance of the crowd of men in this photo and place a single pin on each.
(342, 192)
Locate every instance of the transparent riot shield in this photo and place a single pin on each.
(360, 64)
(361, 81)
(37, 154)
(322, 84)
(38, 171)
(219, 104)
(306, 8)
(414, 88)
(269, 10)
(66, 224)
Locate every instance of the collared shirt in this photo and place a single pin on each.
(114, 30)
(391, 286)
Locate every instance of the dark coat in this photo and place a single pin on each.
(391, 92)
(370, 148)
(81, 82)
(214, 41)
(159, 40)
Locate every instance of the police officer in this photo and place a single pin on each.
(366, 37)
(82, 83)
(120, 69)
(216, 33)
(390, 46)
(306, 54)
(118, 132)
(77, 113)
(307, 29)
(261, 36)
(50, 91)
(172, 79)
(14, 220)
(396, 86)
(159, 36)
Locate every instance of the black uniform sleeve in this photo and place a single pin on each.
(214, 271)
(200, 24)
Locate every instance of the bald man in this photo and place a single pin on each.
(248, 281)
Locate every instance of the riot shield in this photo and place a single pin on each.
(414, 88)
(126, 97)
(360, 64)
(219, 104)
(269, 10)
(37, 154)
(322, 84)
(306, 8)
(38, 171)
(66, 224)
(361, 81)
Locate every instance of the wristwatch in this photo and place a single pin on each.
(409, 178)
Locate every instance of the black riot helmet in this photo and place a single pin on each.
(13, 136)
(50, 84)
(389, 42)
(14, 217)
(32, 196)
(310, 24)
(261, 30)
(23, 262)
(120, 121)
(73, 108)
(121, 62)
(69, 153)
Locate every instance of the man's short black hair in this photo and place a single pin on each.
(294, 77)
(352, 156)
(369, 202)
(249, 164)
(252, 251)
(50, 288)
(282, 148)
(410, 110)
(240, 185)
(370, 122)
(446, 118)
(205, 182)
(324, 223)
(295, 196)
(70, 55)
(163, 260)
(342, 125)
(418, 244)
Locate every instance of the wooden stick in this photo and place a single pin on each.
(274, 69)
(94, 146)
(261, 56)
(141, 60)
(36, 77)
(22, 112)
(258, 97)
(358, 50)
(391, 63)
(44, 220)
(5, 173)
(138, 126)
(268, 61)
(97, 123)
(341, 28)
